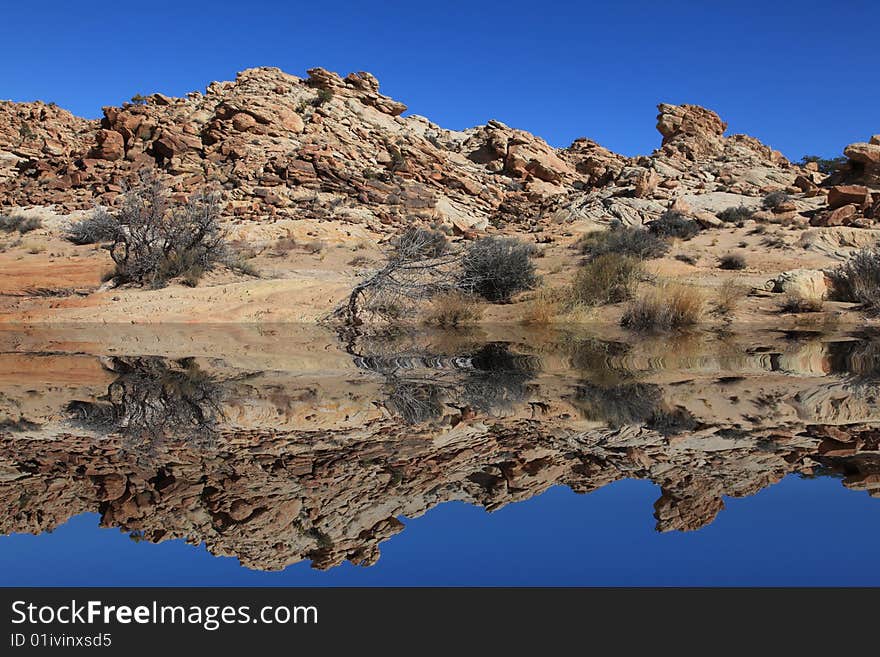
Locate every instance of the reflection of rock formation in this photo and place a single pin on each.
(322, 466)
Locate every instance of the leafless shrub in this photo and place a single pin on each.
(858, 279)
(414, 270)
(498, 267)
(732, 261)
(99, 226)
(156, 241)
(19, 223)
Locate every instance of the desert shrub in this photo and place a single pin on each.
(775, 199)
(608, 278)
(736, 214)
(99, 226)
(635, 242)
(324, 96)
(666, 307)
(795, 303)
(497, 267)
(422, 242)
(730, 293)
(544, 307)
(314, 247)
(686, 258)
(674, 224)
(156, 242)
(858, 279)
(452, 309)
(13, 223)
(734, 261)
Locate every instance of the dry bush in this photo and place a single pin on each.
(544, 307)
(799, 303)
(635, 242)
(314, 247)
(497, 267)
(13, 223)
(452, 309)
(669, 306)
(775, 199)
(736, 214)
(156, 241)
(674, 224)
(608, 278)
(730, 293)
(99, 226)
(858, 279)
(732, 261)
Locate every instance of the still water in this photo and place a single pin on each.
(224, 455)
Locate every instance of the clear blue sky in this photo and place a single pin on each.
(802, 76)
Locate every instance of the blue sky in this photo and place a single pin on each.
(802, 76)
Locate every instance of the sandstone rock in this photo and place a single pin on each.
(803, 283)
(864, 153)
(841, 195)
(109, 145)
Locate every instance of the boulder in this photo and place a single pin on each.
(109, 145)
(841, 195)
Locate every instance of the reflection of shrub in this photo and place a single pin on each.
(631, 404)
(608, 278)
(452, 309)
(415, 402)
(152, 398)
(635, 242)
(674, 224)
(795, 303)
(617, 405)
(858, 279)
(666, 307)
(498, 267)
(99, 226)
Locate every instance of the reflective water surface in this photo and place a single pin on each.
(300, 455)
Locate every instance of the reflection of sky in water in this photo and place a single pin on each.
(796, 532)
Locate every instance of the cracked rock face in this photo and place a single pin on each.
(275, 465)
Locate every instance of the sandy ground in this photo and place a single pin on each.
(307, 269)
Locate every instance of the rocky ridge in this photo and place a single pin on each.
(331, 147)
